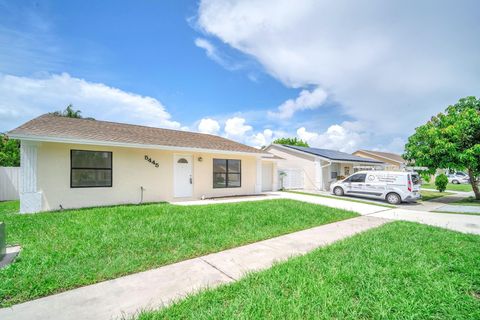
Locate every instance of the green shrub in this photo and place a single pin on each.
(441, 182)
(426, 176)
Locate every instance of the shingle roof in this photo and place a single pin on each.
(388, 155)
(50, 126)
(333, 154)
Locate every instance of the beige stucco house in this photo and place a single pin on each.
(393, 161)
(314, 168)
(73, 163)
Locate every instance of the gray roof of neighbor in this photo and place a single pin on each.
(51, 126)
(333, 154)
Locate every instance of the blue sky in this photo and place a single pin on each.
(248, 70)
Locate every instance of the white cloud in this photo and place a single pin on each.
(215, 55)
(390, 65)
(208, 125)
(23, 98)
(261, 139)
(397, 145)
(210, 50)
(235, 128)
(336, 137)
(305, 100)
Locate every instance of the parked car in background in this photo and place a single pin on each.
(393, 186)
(458, 178)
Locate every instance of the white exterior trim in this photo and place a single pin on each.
(258, 180)
(318, 175)
(128, 145)
(30, 198)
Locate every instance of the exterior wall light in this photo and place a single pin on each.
(200, 159)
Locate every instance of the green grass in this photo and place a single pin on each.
(344, 198)
(470, 201)
(430, 195)
(399, 271)
(64, 250)
(450, 187)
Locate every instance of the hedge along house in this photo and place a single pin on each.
(314, 168)
(73, 163)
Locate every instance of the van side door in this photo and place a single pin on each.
(374, 186)
(356, 184)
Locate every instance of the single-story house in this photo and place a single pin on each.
(394, 162)
(73, 163)
(314, 168)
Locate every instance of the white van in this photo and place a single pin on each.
(393, 186)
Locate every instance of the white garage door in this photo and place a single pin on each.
(293, 178)
(267, 176)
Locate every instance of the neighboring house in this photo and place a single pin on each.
(316, 169)
(394, 161)
(73, 163)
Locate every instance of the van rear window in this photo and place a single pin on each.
(415, 179)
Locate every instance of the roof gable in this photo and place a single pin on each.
(50, 127)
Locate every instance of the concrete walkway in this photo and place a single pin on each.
(458, 222)
(126, 296)
(446, 203)
(459, 209)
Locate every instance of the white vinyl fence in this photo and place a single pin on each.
(9, 179)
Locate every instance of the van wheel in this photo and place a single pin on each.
(338, 191)
(393, 198)
(455, 182)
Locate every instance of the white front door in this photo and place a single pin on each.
(182, 176)
(267, 176)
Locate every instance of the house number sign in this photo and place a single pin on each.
(155, 163)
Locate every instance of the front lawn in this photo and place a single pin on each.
(450, 186)
(430, 195)
(399, 271)
(64, 250)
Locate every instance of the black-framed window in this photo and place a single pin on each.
(90, 169)
(227, 173)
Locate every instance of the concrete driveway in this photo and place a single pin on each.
(418, 212)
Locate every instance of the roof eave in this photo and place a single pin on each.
(36, 138)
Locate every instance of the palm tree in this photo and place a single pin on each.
(68, 112)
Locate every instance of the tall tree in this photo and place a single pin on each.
(291, 142)
(9, 152)
(450, 140)
(69, 112)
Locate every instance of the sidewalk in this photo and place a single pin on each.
(458, 222)
(126, 296)
(444, 204)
